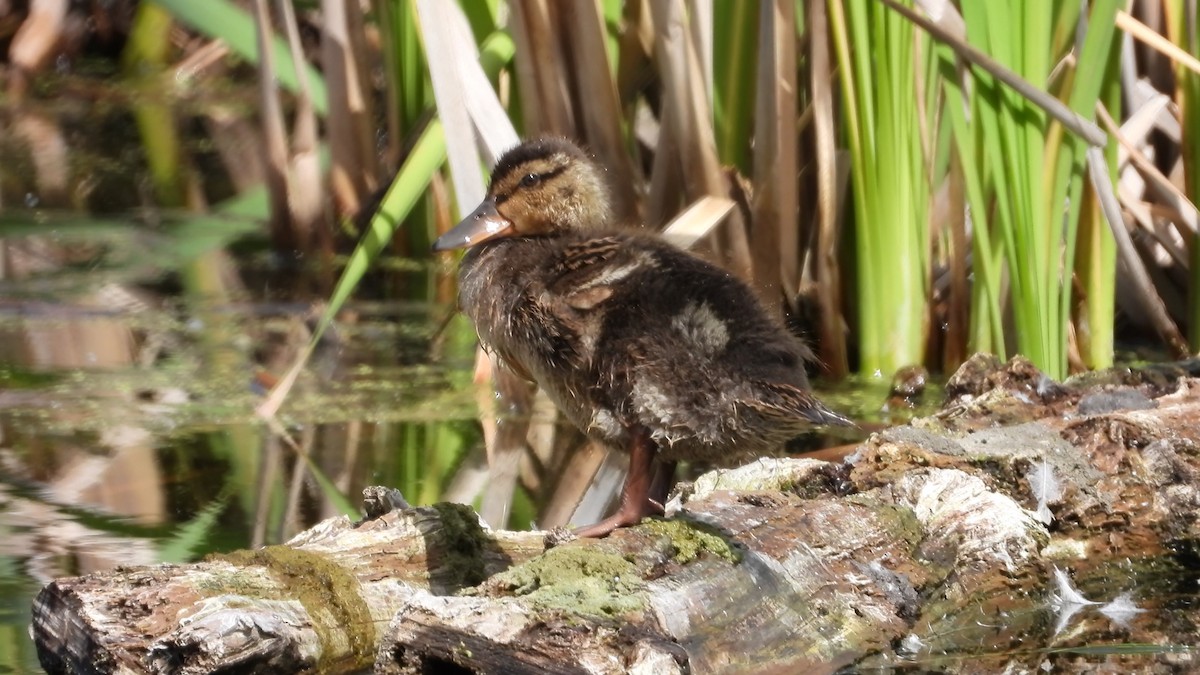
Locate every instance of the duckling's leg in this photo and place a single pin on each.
(635, 495)
(664, 480)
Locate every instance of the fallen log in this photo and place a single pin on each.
(940, 538)
(318, 602)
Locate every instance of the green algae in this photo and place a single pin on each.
(582, 580)
(689, 539)
(899, 521)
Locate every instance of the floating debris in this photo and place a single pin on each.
(1121, 610)
(1066, 600)
(1047, 489)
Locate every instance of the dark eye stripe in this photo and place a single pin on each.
(504, 196)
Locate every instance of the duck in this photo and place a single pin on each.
(643, 346)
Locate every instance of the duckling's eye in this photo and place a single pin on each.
(530, 179)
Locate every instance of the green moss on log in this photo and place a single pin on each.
(583, 580)
(689, 539)
(331, 596)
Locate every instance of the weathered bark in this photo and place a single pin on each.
(319, 602)
(928, 540)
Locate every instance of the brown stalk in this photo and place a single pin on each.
(198, 63)
(274, 136)
(1155, 41)
(828, 275)
(467, 103)
(505, 430)
(697, 221)
(700, 13)
(469, 479)
(776, 242)
(957, 316)
(292, 522)
(606, 483)
(541, 70)
(573, 483)
(686, 114)
(349, 436)
(395, 150)
(441, 34)
(1153, 236)
(305, 196)
(35, 42)
(542, 437)
(599, 107)
(270, 463)
(1144, 214)
(352, 175)
(49, 154)
(664, 197)
(1185, 213)
(635, 45)
(238, 143)
(1152, 303)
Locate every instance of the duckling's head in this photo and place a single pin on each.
(542, 187)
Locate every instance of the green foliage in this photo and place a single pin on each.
(423, 162)
(1181, 29)
(1028, 168)
(891, 184)
(733, 80)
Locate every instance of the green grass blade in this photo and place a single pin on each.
(407, 189)
(423, 162)
(186, 539)
(1181, 29)
(1097, 269)
(734, 46)
(878, 66)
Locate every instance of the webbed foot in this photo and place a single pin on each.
(641, 484)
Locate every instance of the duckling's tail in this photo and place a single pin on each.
(819, 414)
(784, 399)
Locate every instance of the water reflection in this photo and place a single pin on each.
(129, 373)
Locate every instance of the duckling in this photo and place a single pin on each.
(641, 345)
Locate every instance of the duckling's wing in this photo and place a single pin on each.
(587, 272)
(776, 400)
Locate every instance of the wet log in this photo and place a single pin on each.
(941, 537)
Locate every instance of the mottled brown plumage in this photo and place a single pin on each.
(641, 345)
